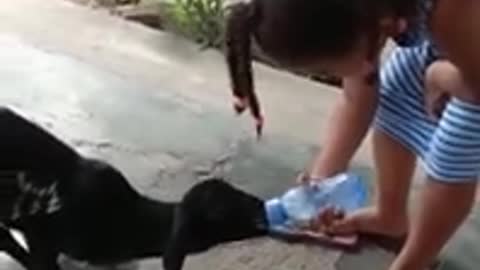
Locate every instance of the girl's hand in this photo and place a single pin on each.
(326, 218)
(303, 178)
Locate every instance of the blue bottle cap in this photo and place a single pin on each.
(276, 215)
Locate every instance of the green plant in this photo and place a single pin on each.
(200, 20)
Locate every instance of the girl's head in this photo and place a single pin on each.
(341, 37)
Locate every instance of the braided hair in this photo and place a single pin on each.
(239, 26)
(292, 30)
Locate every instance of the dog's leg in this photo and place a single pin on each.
(43, 256)
(9, 245)
(44, 262)
(43, 259)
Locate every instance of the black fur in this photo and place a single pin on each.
(86, 209)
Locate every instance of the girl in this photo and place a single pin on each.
(423, 102)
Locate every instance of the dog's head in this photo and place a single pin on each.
(211, 213)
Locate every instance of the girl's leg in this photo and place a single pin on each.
(443, 207)
(453, 166)
(394, 165)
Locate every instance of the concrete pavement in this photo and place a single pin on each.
(159, 109)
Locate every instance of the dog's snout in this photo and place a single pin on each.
(261, 225)
(261, 222)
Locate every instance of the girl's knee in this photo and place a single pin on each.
(443, 76)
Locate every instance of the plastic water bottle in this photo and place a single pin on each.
(299, 205)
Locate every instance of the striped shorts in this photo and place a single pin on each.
(449, 147)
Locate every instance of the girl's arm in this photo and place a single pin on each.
(348, 125)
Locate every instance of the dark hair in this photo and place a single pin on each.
(287, 30)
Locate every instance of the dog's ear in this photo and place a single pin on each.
(177, 246)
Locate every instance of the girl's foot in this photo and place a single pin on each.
(367, 220)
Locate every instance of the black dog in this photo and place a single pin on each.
(86, 209)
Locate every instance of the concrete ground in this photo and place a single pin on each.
(159, 109)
